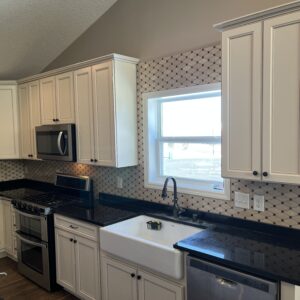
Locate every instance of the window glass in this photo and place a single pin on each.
(183, 134)
(192, 160)
(197, 117)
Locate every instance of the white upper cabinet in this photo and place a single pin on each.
(105, 105)
(260, 95)
(104, 114)
(48, 105)
(35, 112)
(57, 99)
(84, 115)
(30, 117)
(241, 101)
(25, 135)
(281, 99)
(65, 98)
(9, 129)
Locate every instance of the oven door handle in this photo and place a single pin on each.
(31, 242)
(27, 215)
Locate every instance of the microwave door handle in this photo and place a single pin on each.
(59, 138)
(41, 245)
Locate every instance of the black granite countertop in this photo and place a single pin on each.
(267, 251)
(101, 215)
(263, 250)
(258, 253)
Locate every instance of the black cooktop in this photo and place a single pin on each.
(51, 198)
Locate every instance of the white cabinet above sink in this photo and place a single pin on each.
(132, 240)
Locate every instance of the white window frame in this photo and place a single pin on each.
(151, 152)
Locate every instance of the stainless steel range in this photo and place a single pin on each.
(35, 227)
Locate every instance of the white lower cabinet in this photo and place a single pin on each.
(118, 280)
(87, 268)
(153, 287)
(7, 218)
(65, 260)
(123, 281)
(2, 228)
(289, 291)
(7, 229)
(77, 259)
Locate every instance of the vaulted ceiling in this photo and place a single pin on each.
(35, 32)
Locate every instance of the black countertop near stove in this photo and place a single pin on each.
(263, 250)
(101, 215)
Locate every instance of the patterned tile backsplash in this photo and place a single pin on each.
(11, 169)
(282, 202)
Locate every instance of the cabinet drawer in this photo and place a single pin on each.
(76, 227)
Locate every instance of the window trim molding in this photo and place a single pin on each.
(225, 195)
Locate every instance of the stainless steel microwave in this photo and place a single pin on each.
(56, 142)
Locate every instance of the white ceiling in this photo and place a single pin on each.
(34, 32)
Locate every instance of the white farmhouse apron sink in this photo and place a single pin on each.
(132, 240)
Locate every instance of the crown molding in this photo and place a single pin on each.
(83, 64)
(258, 16)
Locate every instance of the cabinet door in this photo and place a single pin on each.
(48, 105)
(117, 280)
(25, 130)
(152, 287)
(2, 234)
(104, 114)
(9, 131)
(281, 127)
(7, 219)
(65, 260)
(65, 98)
(87, 268)
(35, 112)
(84, 115)
(241, 101)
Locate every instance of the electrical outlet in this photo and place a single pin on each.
(241, 200)
(119, 182)
(259, 202)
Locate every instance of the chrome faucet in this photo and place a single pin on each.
(177, 211)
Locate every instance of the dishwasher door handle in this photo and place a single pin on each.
(226, 283)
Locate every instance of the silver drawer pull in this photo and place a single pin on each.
(73, 227)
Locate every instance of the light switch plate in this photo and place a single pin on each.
(119, 182)
(241, 200)
(259, 202)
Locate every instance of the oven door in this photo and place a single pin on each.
(56, 142)
(32, 225)
(33, 259)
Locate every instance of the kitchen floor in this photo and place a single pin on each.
(17, 287)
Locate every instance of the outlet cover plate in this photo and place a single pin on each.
(259, 202)
(241, 200)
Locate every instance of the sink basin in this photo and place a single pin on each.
(132, 240)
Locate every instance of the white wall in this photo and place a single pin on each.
(154, 28)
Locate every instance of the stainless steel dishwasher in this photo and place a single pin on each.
(207, 281)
